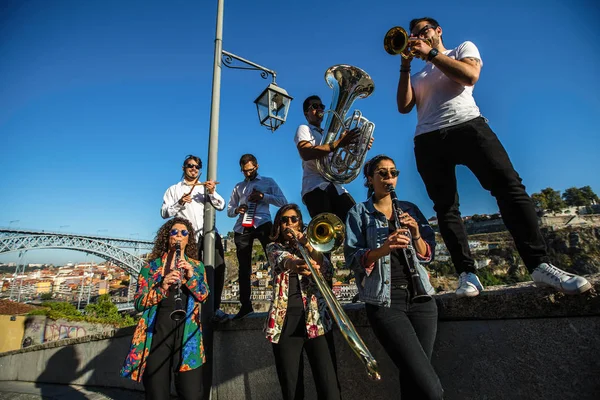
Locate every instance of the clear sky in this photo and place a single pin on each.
(101, 100)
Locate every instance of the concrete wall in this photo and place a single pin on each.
(509, 343)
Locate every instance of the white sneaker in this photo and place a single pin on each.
(468, 285)
(549, 275)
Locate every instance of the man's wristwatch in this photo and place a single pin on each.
(432, 54)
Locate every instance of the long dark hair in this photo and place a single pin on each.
(276, 234)
(369, 170)
(161, 241)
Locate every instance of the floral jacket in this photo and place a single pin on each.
(148, 295)
(318, 320)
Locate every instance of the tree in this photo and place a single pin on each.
(548, 200)
(46, 296)
(589, 194)
(575, 197)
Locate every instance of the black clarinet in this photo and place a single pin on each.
(419, 294)
(179, 313)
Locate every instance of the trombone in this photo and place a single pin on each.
(325, 232)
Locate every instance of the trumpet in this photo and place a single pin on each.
(419, 294)
(396, 40)
(179, 313)
(324, 233)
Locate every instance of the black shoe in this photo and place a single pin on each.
(244, 312)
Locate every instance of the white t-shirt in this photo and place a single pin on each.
(440, 101)
(311, 178)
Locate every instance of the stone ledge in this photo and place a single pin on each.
(522, 300)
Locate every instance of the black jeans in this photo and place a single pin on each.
(476, 146)
(289, 361)
(407, 333)
(243, 244)
(216, 287)
(164, 357)
(319, 201)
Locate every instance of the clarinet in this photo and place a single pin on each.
(179, 313)
(419, 294)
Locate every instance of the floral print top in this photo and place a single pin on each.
(318, 320)
(149, 294)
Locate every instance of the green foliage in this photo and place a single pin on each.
(102, 312)
(46, 296)
(487, 277)
(549, 199)
(575, 197)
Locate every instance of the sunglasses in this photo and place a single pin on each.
(317, 106)
(286, 219)
(174, 232)
(424, 30)
(192, 166)
(385, 172)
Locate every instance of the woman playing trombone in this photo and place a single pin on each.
(168, 338)
(298, 319)
(385, 243)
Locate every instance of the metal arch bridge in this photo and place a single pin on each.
(107, 248)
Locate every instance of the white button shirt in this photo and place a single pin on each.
(311, 177)
(262, 215)
(194, 211)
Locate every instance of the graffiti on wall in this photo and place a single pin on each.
(56, 330)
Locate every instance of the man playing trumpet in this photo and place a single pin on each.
(451, 131)
(186, 199)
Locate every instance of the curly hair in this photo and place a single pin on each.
(161, 241)
(276, 234)
(369, 170)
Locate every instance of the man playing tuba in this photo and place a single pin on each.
(318, 193)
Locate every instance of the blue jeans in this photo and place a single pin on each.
(407, 333)
(474, 145)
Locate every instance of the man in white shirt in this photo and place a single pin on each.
(186, 199)
(451, 131)
(319, 194)
(258, 192)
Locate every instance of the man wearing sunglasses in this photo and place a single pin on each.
(263, 192)
(451, 131)
(186, 199)
(319, 194)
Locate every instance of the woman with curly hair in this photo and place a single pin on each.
(298, 319)
(376, 239)
(161, 345)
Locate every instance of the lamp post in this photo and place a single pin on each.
(272, 105)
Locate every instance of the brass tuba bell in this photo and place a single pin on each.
(345, 163)
(396, 40)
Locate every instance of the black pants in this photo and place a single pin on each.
(243, 244)
(476, 146)
(216, 287)
(407, 333)
(289, 361)
(319, 201)
(165, 356)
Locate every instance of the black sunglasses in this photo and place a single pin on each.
(317, 106)
(384, 173)
(192, 166)
(286, 220)
(174, 232)
(424, 30)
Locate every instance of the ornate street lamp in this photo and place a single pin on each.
(273, 105)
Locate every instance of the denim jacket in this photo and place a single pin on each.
(367, 229)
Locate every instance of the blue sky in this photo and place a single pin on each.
(100, 101)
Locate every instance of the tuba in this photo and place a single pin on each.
(396, 40)
(348, 84)
(326, 232)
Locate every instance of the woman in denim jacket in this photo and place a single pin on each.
(374, 250)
